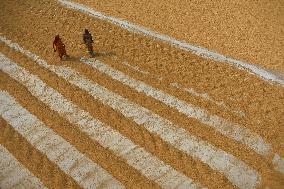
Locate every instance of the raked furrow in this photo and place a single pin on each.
(189, 90)
(235, 170)
(225, 127)
(149, 165)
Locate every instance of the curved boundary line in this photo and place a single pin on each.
(200, 51)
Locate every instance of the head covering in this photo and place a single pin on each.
(57, 37)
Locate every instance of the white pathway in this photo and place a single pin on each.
(84, 171)
(149, 165)
(225, 127)
(254, 141)
(235, 170)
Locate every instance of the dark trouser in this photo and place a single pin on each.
(90, 48)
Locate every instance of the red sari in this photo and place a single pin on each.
(59, 47)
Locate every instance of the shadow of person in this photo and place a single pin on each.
(98, 54)
(72, 58)
(95, 54)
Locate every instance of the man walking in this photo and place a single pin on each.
(88, 40)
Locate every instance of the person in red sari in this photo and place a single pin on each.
(59, 47)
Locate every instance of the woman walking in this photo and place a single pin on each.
(59, 47)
